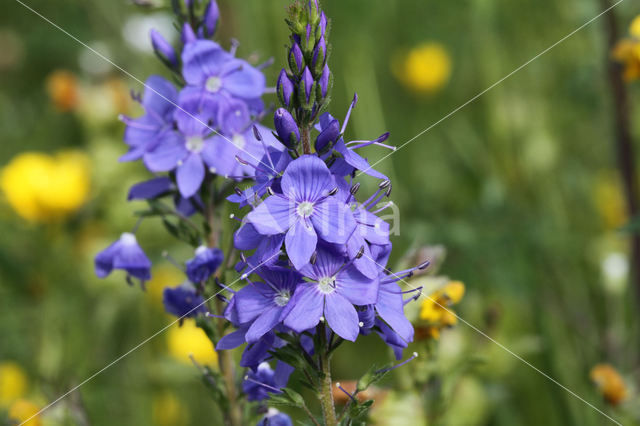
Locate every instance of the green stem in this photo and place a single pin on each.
(225, 358)
(227, 369)
(306, 139)
(326, 391)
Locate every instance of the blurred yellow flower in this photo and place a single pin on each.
(627, 52)
(44, 188)
(190, 339)
(435, 309)
(21, 410)
(609, 383)
(426, 68)
(62, 87)
(13, 382)
(609, 200)
(167, 410)
(162, 276)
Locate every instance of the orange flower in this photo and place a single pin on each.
(62, 87)
(609, 383)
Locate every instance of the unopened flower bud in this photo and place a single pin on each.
(325, 81)
(285, 88)
(328, 136)
(286, 127)
(188, 35)
(296, 60)
(211, 16)
(163, 49)
(319, 55)
(307, 84)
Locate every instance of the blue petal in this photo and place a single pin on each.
(264, 323)
(232, 340)
(167, 154)
(104, 260)
(359, 289)
(301, 241)
(132, 259)
(390, 307)
(333, 221)
(149, 189)
(341, 316)
(252, 300)
(190, 175)
(272, 216)
(246, 237)
(307, 179)
(307, 305)
(246, 82)
(202, 59)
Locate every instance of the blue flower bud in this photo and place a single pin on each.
(211, 16)
(286, 127)
(296, 60)
(328, 136)
(187, 34)
(284, 88)
(163, 49)
(307, 82)
(322, 26)
(325, 81)
(319, 55)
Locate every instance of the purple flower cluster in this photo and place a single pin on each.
(191, 133)
(312, 251)
(203, 126)
(317, 252)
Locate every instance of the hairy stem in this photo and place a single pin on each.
(233, 417)
(227, 368)
(624, 142)
(306, 139)
(326, 391)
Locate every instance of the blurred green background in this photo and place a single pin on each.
(521, 187)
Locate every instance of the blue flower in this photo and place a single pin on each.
(218, 77)
(331, 294)
(183, 301)
(124, 254)
(304, 210)
(264, 303)
(264, 380)
(160, 186)
(275, 418)
(204, 264)
(144, 133)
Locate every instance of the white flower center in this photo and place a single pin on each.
(327, 285)
(213, 84)
(128, 239)
(239, 141)
(201, 250)
(305, 209)
(282, 298)
(195, 144)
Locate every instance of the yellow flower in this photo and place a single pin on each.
(167, 410)
(609, 383)
(190, 339)
(435, 309)
(425, 68)
(609, 200)
(634, 28)
(44, 188)
(62, 87)
(162, 276)
(21, 410)
(13, 382)
(627, 52)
